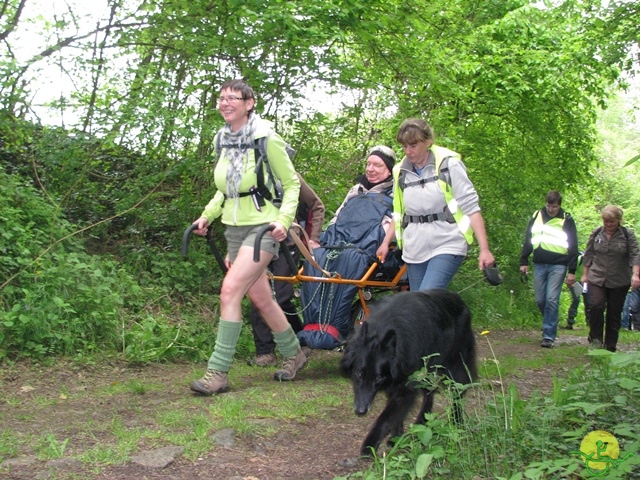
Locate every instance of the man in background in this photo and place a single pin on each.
(552, 237)
(578, 291)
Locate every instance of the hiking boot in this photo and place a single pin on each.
(291, 366)
(546, 343)
(568, 326)
(212, 382)
(307, 351)
(264, 360)
(595, 343)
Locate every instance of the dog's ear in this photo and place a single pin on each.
(348, 357)
(389, 347)
(346, 363)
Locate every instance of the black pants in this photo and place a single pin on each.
(611, 300)
(262, 336)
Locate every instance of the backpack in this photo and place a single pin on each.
(442, 174)
(262, 191)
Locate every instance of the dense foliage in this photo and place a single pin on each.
(93, 209)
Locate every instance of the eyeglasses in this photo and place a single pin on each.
(230, 99)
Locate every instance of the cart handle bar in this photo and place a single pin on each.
(284, 249)
(210, 240)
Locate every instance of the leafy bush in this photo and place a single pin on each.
(56, 298)
(71, 303)
(155, 337)
(536, 439)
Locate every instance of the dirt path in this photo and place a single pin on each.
(31, 403)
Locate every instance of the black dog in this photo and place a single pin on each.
(390, 346)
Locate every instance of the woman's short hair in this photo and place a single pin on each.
(241, 86)
(611, 212)
(413, 131)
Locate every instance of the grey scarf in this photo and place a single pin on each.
(237, 156)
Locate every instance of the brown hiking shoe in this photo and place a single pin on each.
(291, 366)
(212, 382)
(265, 360)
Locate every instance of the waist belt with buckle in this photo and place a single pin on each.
(433, 217)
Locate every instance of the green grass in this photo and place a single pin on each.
(49, 447)
(9, 443)
(102, 455)
(136, 387)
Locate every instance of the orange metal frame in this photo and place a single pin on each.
(362, 283)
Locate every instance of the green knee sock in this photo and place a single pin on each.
(226, 341)
(287, 342)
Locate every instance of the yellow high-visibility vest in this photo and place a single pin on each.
(463, 221)
(549, 236)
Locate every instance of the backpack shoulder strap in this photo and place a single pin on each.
(262, 158)
(402, 183)
(218, 148)
(442, 171)
(626, 233)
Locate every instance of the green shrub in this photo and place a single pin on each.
(536, 439)
(72, 302)
(56, 299)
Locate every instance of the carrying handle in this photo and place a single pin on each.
(210, 240)
(284, 249)
(186, 237)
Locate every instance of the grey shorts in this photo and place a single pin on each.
(246, 236)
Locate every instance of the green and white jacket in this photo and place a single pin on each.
(241, 211)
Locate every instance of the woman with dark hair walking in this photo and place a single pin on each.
(245, 210)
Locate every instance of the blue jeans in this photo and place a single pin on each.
(436, 272)
(547, 285)
(631, 309)
(575, 303)
(573, 308)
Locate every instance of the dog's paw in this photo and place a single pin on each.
(367, 451)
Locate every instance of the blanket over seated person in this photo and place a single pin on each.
(348, 247)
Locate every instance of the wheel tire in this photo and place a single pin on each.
(357, 317)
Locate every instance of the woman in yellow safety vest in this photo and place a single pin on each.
(436, 210)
